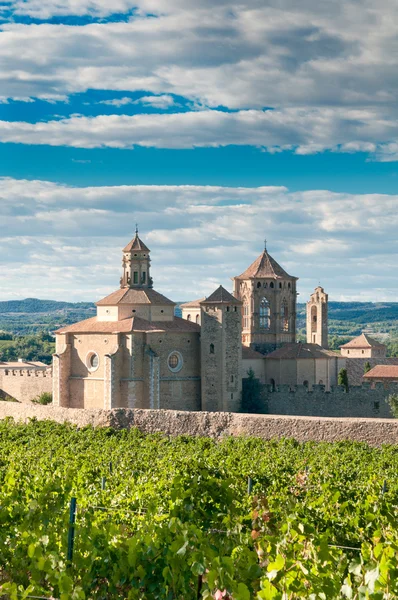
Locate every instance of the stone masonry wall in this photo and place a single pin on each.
(360, 401)
(24, 384)
(215, 425)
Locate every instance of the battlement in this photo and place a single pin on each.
(364, 400)
(25, 373)
(365, 388)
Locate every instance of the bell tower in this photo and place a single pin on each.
(136, 264)
(268, 294)
(317, 318)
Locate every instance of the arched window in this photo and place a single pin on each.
(305, 383)
(280, 285)
(284, 316)
(197, 319)
(265, 285)
(246, 313)
(265, 314)
(271, 285)
(259, 284)
(211, 348)
(188, 317)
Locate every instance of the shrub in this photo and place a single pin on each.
(367, 367)
(44, 398)
(343, 379)
(392, 401)
(253, 398)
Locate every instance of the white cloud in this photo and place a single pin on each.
(199, 236)
(117, 102)
(248, 54)
(160, 102)
(306, 131)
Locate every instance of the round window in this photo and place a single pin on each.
(92, 361)
(175, 362)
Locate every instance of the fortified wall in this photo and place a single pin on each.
(24, 384)
(360, 401)
(216, 425)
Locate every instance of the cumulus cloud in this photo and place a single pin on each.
(306, 131)
(161, 102)
(117, 101)
(65, 240)
(236, 54)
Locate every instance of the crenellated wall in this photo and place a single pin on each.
(360, 401)
(24, 384)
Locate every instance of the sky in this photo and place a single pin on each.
(214, 126)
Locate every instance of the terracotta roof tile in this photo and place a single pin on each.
(249, 353)
(221, 296)
(130, 324)
(94, 326)
(193, 303)
(136, 244)
(363, 341)
(135, 296)
(382, 372)
(176, 325)
(301, 351)
(265, 266)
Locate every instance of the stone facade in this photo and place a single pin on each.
(221, 352)
(317, 318)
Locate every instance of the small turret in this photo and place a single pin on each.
(136, 264)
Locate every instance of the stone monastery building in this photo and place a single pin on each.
(136, 353)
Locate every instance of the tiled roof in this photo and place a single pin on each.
(301, 351)
(249, 353)
(356, 367)
(265, 266)
(135, 296)
(26, 364)
(94, 326)
(136, 244)
(176, 325)
(221, 296)
(193, 303)
(363, 341)
(382, 372)
(129, 325)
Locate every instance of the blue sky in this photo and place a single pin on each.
(213, 126)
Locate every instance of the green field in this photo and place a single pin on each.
(161, 518)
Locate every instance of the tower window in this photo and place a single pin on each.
(144, 277)
(265, 314)
(265, 285)
(284, 316)
(271, 285)
(259, 284)
(135, 277)
(280, 285)
(211, 348)
(232, 378)
(288, 285)
(227, 308)
(235, 309)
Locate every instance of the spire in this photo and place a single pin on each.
(136, 264)
(136, 229)
(265, 245)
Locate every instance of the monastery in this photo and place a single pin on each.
(136, 353)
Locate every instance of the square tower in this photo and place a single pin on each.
(221, 352)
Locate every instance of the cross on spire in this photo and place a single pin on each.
(265, 244)
(136, 229)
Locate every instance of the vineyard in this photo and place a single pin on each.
(98, 513)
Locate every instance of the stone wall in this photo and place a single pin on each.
(24, 384)
(359, 401)
(215, 425)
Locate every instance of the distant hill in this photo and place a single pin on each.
(34, 305)
(346, 319)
